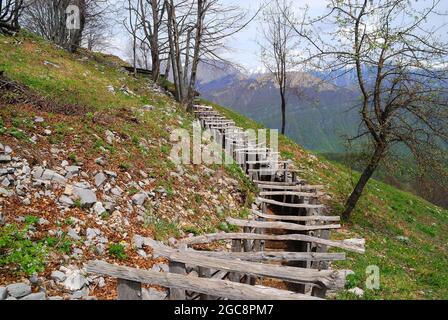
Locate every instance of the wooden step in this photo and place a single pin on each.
(348, 244)
(275, 256)
(297, 218)
(290, 205)
(330, 279)
(291, 193)
(287, 186)
(280, 225)
(213, 287)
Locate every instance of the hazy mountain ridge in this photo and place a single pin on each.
(316, 109)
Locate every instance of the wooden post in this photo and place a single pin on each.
(179, 268)
(285, 178)
(236, 247)
(129, 290)
(205, 273)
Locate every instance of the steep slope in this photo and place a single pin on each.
(85, 170)
(89, 125)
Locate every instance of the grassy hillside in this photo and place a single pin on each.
(61, 109)
(79, 108)
(406, 236)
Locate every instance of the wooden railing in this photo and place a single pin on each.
(286, 204)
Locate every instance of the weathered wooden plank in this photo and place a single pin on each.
(274, 256)
(291, 205)
(129, 290)
(205, 273)
(276, 169)
(220, 288)
(265, 162)
(291, 193)
(280, 225)
(217, 120)
(279, 185)
(275, 183)
(355, 245)
(236, 247)
(328, 278)
(179, 268)
(296, 218)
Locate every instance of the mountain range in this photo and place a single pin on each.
(319, 114)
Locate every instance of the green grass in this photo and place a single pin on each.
(117, 250)
(19, 252)
(413, 269)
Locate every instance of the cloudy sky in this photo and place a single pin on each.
(243, 47)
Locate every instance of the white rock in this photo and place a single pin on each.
(101, 282)
(153, 294)
(35, 296)
(357, 292)
(75, 281)
(110, 88)
(18, 290)
(86, 196)
(6, 193)
(98, 208)
(5, 158)
(92, 233)
(43, 222)
(73, 234)
(110, 173)
(6, 182)
(140, 198)
(66, 201)
(68, 190)
(100, 178)
(3, 293)
(117, 191)
(110, 137)
(72, 170)
(58, 276)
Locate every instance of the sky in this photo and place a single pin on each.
(243, 47)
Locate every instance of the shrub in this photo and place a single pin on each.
(17, 250)
(117, 250)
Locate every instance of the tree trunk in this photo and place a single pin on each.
(168, 65)
(283, 106)
(171, 22)
(197, 49)
(365, 177)
(155, 42)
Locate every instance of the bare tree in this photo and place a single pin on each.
(145, 24)
(400, 61)
(151, 15)
(197, 30)
(99, 25)
(49, 18)
(131, 23)
(10, 11)
(277, 46)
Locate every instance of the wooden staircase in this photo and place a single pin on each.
(285, 240)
